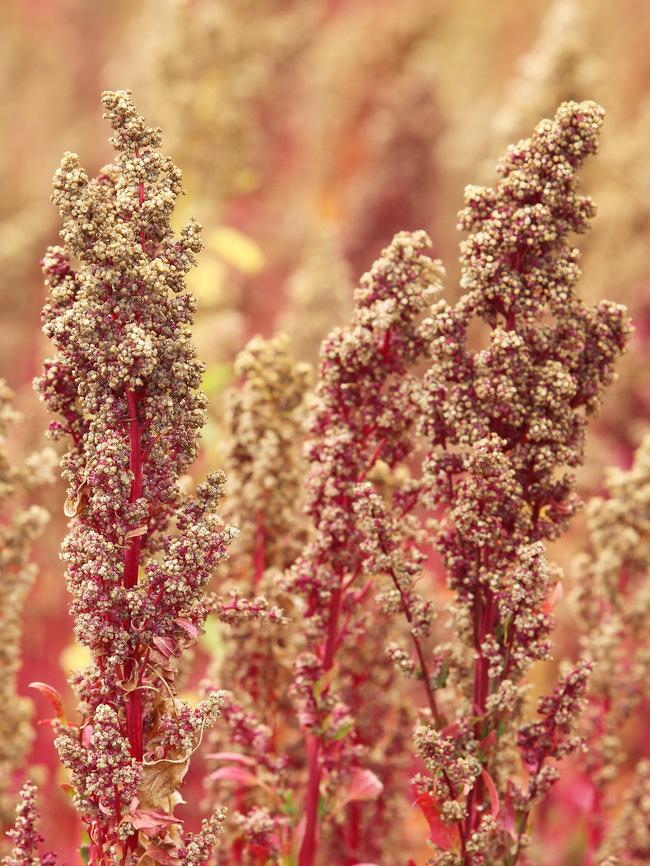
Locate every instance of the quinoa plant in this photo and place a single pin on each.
(612, 602)
(504, 423)
(125, 389)
(365, 412)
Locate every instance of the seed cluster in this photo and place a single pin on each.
(505, 422)
(125, 387)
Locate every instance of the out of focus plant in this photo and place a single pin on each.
(319, 295)
(21, 524)
(613, 602)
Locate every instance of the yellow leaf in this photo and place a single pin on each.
(75, 657)
(236, 249)
(207, 281)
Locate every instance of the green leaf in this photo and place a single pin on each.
(289, 806)
(441, 680)
(323, 807)
(321, 684)
(216, 378)
(212, 638)
(343, 731)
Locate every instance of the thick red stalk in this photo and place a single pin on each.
(134, 544)
(131, 569)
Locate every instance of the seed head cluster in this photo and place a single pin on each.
(506, 419)
(125, 388)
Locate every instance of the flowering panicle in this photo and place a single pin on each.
(18, 529)
(504, 422)
(366, 407)
(265, 422)
(25, 837)
(613, 603)
(124, 386)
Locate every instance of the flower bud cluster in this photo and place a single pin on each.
(265, 422)
(628, 842)
(265, 417)
(612, 602)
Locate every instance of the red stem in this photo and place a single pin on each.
(260, 552)
(309, 844)
(310, 839)
(132, 555)
(484, 617)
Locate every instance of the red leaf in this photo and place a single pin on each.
(441, 835)
(235, 774)
(164, 645)
(364, 785)
(492, 791)
(556, 594)
(188, 626)
(53, 697)
(231, 756)
(150, 819)
(509, 817)
(451, 730)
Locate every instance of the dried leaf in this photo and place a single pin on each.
(154, 855)
(159, 781)
(74, 505)
(134, 533)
